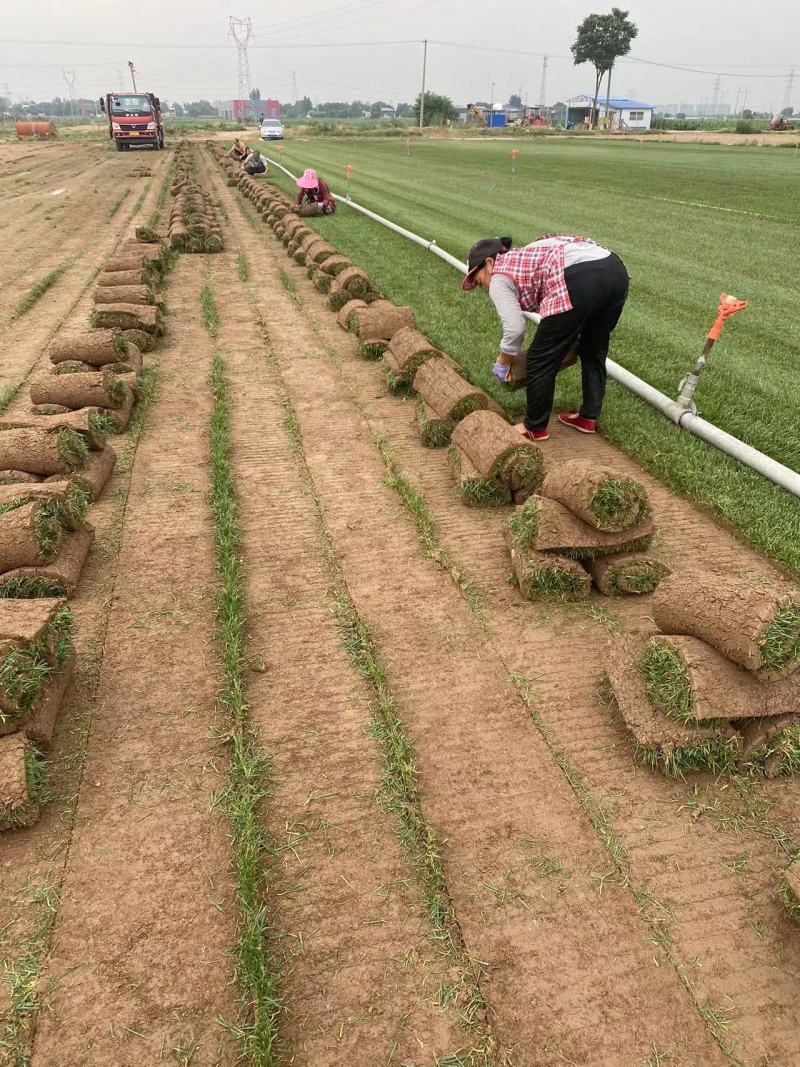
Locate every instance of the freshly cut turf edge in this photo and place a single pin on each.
(780, 642)
(667, 682)
(25, 671)
(249, 768)
(615, 495)
(785, 744)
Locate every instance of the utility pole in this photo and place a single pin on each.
(491, 100)
(422, 94)
(241, 30)
(543, 86)
(608, 99)
(70, 77)
(294, 87)
(715, 98)
(132, 69)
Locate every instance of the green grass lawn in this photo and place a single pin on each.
(690, 221)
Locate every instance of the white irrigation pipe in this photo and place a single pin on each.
(687, 420)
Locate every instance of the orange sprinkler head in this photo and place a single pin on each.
(348, 171)
(280, 149)
(728, 305)
(514, 153)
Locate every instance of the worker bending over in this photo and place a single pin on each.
(255, 163)
(239, 151)
(579, 289)
(314, 197)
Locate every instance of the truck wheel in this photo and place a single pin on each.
(120, 145)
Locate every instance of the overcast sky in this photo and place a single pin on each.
(753, 47)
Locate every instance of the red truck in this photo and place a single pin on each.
(134, 119)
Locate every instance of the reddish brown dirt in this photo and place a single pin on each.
(484, 769)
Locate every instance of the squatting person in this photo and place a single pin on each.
(239, 151)
(314, 196)
(579, 288)
(255, 163)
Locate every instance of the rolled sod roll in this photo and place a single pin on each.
(346, 309)
(131, 261)
(627, 573)
(444, 390)
(96, 389)
(214, 243)
(129, 362)
(600, 496)
(124, 294)
(352, 280)
(72, 366)
(547, 577)
(117, 420)
(144, 341)
(433, 429)
(334, 265)
(94, 475)
(96, 348)
(144, 317)
(547, 526)
(21, 782)
(321, 281)
(372, 348)
(68, 499)
(754, 622)
(475, 490)
(661, 742)
(43, 452)
(410, 349)
(19, 478)
(178, 237)
(500, 451)
(88, 422)
(32, 656)
(29, 535)
(790, 890)
(771, 746)
(124, 277)
(147, 235)
(381, 319)
(59, 577)
(149, 253)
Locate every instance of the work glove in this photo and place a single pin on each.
(501, 371)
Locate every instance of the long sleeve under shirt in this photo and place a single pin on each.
(505, 296)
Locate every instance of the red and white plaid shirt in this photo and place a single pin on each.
(538, 273)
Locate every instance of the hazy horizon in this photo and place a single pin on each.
(338, 52)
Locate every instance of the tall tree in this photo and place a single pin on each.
(255, 95)
(515, 100)
(601, 40)
(438, 109)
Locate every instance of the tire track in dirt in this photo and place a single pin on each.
(731, 923)
(23, 342)
(522, 871)
(363, 995)
(140, 964)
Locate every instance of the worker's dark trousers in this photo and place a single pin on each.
(598, 290)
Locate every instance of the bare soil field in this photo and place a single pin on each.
(402, 824)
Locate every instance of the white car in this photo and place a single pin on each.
(271, 130)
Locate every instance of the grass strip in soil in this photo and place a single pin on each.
(249, 773)
(37, 291)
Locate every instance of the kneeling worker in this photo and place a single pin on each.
(314, 197)
(255, 163)
(579, 288)
(239, 151)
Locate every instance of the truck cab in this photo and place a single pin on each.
(134, 119)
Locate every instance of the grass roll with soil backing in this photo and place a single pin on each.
(546, 526)
(439, 384)
(30, 533)
(771, 746)
(59, 577)
(627, 573)
(97, 348)
(755, 623)
(23, 782)
(91, 423)
(44, 452)
(380, 319)
(124, 294)
(500, 452)
(99, 389)
(144, 317)
(600, 496)
(29, 660)
(475, 490)
(433, 429)
(408, 350)
(662, 743)
(547, 577)
(69, 499)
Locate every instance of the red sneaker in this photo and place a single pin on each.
(577, 422)
(536, 435)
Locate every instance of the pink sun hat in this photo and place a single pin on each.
(309, 180)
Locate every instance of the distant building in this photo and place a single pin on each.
(248, 110)
(622, 114)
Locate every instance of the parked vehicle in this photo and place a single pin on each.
(134, 119)
(271, 130)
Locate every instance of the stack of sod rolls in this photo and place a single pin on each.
(36, 664)
(125, 297)
(587, 523)
(193, 222)
(492, 462)
(444, 399)
(374, 324)
(720, 684)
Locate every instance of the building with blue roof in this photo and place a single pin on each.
(623, 114)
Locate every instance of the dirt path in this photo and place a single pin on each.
(484, 767)
(140, 964)
(368, 996)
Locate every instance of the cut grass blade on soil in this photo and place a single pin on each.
(249, 768)
(666, 681)
(37, 291)
(115, 207)
(780, 642)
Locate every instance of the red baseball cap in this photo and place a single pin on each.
(487, 248)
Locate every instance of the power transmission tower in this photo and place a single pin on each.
(787, 96)
(70, 77)
(715, 98)
(543, 86)
(294, 87)
(241, 30)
